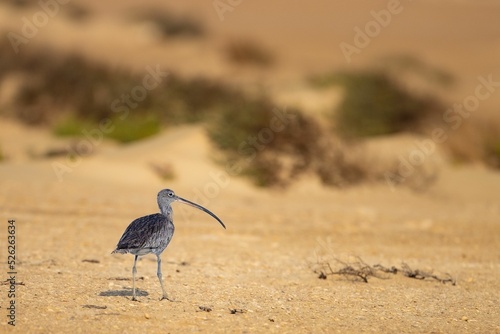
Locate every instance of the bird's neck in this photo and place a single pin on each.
(166, 210)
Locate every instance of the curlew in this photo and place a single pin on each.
(152, 234)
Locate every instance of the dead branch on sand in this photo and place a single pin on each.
(357, 269)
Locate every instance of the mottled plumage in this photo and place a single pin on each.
(158, 227)
(152, 233)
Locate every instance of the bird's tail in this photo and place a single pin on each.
(120, 251)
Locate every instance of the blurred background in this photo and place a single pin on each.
(315, 131)
(364, 82)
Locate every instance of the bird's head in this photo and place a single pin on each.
(167, 196)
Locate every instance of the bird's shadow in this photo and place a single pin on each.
(123, 293)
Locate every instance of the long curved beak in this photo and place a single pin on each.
(185, 201)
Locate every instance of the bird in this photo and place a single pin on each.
(152, 234)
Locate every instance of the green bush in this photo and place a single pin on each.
(271, 150)
(124, 131)
(71, 127)
(301, 147)
(375, 104)
(134, 128)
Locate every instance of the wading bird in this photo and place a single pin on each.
(152, 234)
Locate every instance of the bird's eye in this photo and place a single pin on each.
(170, 194)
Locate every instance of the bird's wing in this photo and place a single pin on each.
(141, 231)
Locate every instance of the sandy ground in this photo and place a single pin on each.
(256, 276)
(261, 266)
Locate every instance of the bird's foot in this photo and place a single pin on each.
(167, 298)
(135, 299)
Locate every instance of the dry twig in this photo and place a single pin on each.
(360, 270)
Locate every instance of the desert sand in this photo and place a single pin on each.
(262, 265)
(258, 275)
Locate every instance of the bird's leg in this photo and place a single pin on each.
(134, 271)
(158, 273)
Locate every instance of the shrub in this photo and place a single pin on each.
(375, 105)
(70, 93)
(71, 127)
(270, 158)
(340, 164)
(62, 84)
(301, 147)
(135, 128)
